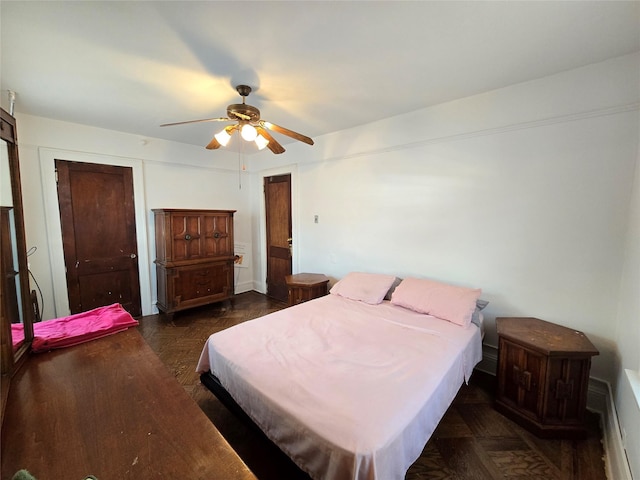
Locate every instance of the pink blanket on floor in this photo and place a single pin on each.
(78, 328)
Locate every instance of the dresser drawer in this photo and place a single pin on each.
(195, 285)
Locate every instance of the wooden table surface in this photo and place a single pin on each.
(305, 279)
(109, 408)
(548, 338)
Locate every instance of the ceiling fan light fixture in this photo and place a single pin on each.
(261, 142)
(249, 132)
(252, 128)
(222, 137)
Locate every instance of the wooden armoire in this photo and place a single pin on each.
(194, 257)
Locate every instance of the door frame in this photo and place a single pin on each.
(261, 273)
(47, 157)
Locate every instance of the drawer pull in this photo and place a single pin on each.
(187, 237)
(216, 235)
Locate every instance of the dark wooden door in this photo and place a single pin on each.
(99, 235)
(277, 192)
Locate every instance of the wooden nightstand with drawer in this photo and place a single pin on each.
(543, 376)
(306, 286)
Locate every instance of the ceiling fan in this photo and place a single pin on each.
(251, 127)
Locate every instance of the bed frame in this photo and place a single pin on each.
(212, 383)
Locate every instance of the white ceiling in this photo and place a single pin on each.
(316, 67)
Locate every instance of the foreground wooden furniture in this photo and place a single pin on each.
(15, 297)
(109, 408)
(194, 257)
(543, 376)
(306, 286)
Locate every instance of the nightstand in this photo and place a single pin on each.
(306, 286)
(543, 376)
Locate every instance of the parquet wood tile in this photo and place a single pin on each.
(473, 441)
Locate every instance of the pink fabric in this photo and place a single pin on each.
(364, 287)
(455, 304)
(17, 334)
(79, 328)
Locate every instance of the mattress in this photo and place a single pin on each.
(346, 389)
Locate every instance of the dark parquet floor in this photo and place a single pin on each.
(472, 441)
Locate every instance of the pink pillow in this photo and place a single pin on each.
(455, 304)
(364, 287)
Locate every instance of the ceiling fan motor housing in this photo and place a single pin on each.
(242, 111)
(243, 90)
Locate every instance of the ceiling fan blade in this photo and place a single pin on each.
(213, 144)
(273, 145)
(287, 132)
(219, 119)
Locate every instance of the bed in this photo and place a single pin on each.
(351, 385)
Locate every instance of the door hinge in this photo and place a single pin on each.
(56, 172)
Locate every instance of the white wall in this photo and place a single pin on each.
(166, 175)
(522, 191)
(627, 384)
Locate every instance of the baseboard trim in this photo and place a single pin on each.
(489, 362)
(615, 457)
(599, 400)
(243, 287)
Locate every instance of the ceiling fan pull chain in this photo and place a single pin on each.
(239, 170)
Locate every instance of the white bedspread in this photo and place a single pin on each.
(346, 389)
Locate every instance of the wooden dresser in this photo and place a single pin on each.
(110, 408)
(306, 286)
(543, 375)
(194, 257)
